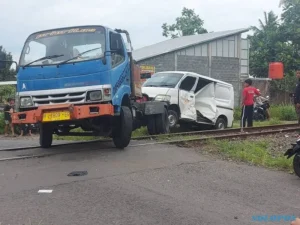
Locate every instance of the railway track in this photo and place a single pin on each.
(173, 138)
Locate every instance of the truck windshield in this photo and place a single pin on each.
(163, 80)
(67, 44)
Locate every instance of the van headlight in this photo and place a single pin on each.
(26, 102)
(94, 95)
(166, 98)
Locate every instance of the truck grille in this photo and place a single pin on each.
(76, 97)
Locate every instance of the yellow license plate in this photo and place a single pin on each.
(56, 116)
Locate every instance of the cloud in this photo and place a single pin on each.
(142, 18)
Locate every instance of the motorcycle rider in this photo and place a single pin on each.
(259, 101)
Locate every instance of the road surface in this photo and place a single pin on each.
(158, 184)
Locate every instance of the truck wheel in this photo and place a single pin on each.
(123, 129)
(151, 125)
(220, 124)
(162, 123)
(173, 118)
(46, 135)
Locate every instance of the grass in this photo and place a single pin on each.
(253, 152)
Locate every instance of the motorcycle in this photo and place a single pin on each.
(295, 151)
(260, 111)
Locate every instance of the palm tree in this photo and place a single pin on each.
(270, 23)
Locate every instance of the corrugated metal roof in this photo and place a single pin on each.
(180, 43)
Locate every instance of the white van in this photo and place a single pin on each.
(193, 98)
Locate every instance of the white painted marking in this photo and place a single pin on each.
(45, 191)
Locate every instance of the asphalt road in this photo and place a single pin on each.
(142, 185)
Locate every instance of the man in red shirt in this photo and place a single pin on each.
(248, 102)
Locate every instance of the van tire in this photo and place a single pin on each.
(46, 135)
(162, 123)
(220, 124)
(173, 118)
(123, 128)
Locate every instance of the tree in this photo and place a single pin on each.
(188, 24)
(6, 74)
(291, 21)
(264, 45)
(275, 41)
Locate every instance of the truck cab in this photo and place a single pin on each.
(82, 77)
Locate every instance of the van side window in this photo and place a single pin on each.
(188, 83)
(201, 84)
(117, 57)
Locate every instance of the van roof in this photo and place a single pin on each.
(199, 75)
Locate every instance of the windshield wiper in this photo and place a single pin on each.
(78, 56)
(166, 85)
(45, 57)
(150, 85)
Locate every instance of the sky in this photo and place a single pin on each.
(142, 18)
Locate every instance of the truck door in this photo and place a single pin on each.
(187, 98)
(205, 102)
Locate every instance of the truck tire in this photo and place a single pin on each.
(173, 118)
(162, 123)
(151, 125)
(46, 135)
(123, 129)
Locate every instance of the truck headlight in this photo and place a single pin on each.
(166, 98)
(94, 95)
(26, 102)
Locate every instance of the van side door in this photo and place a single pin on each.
(186, 98)
(205, 102)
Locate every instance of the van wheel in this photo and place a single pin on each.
(123, 128)
(162, 124)
(220, 124)
(46, 135)
(173, 118)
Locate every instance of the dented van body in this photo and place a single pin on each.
(193, 98)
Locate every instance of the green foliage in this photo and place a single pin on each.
(288, 113)
(6, 74)
(254, 152)
(6, 92)
(188, 24)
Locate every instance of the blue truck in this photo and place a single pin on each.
(84, 77)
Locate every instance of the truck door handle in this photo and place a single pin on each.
(191, 96)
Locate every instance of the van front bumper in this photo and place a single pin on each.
(73, 112)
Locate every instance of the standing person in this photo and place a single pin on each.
(248, 102)
(8, 110)
(297, 96)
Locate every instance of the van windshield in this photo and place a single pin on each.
(163, 80)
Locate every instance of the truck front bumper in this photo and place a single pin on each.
(73, 112)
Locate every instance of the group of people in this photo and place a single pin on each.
(8, 110)
(251, 95)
